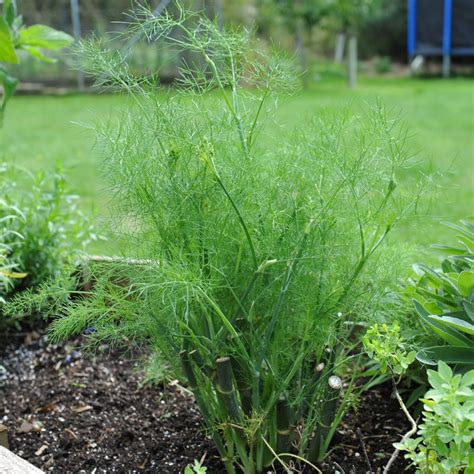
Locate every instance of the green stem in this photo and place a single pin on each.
(226, 388)
(194, 387)
(283, 425)
(228, 394)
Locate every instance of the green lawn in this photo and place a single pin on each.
(39, 131)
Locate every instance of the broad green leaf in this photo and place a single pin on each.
(449, 354)
(420, 309)
(457, 314)
(469, 227)
(7, 48)
(433, 307)
(468, 379)
(466, 282)
(466, 231)
(469, 307)
(433, 275)
(446, 434)
(35, 52)
(467, 242)
(455, 323)
(43, 36)
(444, 370)
(10, 11)
(436, 381)
(449, 250)
(448, 281)
(450, 335)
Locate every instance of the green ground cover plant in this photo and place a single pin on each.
(248, 266)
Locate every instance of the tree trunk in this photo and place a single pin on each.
(352, 61)
(299, 48)
(339, 50)
(219, 13)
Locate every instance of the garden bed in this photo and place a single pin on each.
(67, 411)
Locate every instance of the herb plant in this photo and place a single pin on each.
(444, 302)
(385, 345)
(8, 264)
(42, 228)
(14, 36)
(248, 264)
(444, 444)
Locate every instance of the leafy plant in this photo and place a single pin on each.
(385, 345)
(444, 444)
(383, 65)
(8, 275)
(32, 39)
(196, 468)
(444, 302)
(248, 265)
(42, 230)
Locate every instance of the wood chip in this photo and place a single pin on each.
(71, 433)
(46, 408)
(82, 408)
(41, 450)
(29, 426)
(81, 374)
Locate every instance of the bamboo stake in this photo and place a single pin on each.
(122, 260)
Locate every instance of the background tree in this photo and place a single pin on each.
(348, 17)
(300, 17)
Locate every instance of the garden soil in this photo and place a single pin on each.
(68, 411)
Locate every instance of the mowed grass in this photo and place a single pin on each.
(40, 131)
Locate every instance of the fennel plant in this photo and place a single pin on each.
(260, 260)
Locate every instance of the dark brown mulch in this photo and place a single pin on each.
(67, 412)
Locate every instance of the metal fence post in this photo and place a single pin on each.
(447, 25)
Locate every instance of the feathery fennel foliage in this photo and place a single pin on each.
(264, 256)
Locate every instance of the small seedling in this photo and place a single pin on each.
(196, 468)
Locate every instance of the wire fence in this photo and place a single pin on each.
(83, 18)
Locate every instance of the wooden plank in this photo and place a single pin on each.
(12, 464)
(3, 436)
